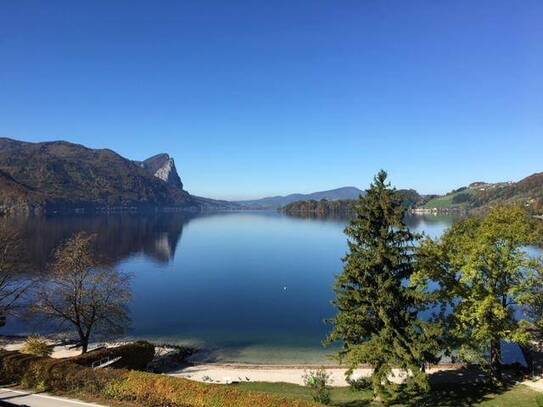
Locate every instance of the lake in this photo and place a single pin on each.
(248, 286)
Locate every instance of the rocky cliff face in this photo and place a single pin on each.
(162, 166)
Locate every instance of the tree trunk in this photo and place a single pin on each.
(495, 359)
(377, 384)
(84, 340)
(528, 357)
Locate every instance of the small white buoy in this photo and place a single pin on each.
(285, 288)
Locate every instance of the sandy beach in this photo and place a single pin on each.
(229, 373)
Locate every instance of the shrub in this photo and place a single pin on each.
(145, 389)
(53, 374)
(161, 390)
(169, 357)
(14, 365)
(318, 381)
(37, 346)
(134, 356)
(360, 383)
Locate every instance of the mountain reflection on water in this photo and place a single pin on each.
(155, 235)
(118, 236)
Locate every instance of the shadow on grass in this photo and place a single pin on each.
(465, 387)
(454, 388)
(356, 403)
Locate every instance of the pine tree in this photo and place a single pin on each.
(377, 320)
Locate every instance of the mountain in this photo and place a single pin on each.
(59, 175)
(481, 195)
(16, 195)
(162, 166)
(274, 202)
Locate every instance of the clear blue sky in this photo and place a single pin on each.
(263, 97)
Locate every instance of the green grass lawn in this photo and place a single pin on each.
(441, 202)
(442, 396)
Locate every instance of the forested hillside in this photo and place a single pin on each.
(527, 192)
(324, 207)
(59, 175)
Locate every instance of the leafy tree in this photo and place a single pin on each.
(82, 293)
(484, 276)
(319, 208)
(12, 286)
(377, 320)
(535, 304)
(462, 198)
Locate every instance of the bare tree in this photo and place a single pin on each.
(83, 293)
(12, 284)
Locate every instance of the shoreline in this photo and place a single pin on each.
(243, 372)
(199, 356)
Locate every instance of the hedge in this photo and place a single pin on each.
(144, 389)
(135, 356)
(44, 373)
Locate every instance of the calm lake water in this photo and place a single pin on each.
(249, 286)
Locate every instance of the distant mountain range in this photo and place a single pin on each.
(57, 176)
(274, 202)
